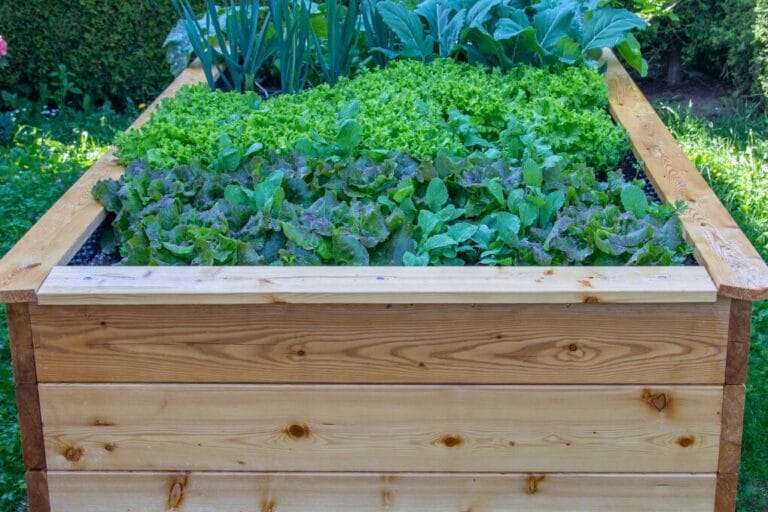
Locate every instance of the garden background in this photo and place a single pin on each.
(78, 71)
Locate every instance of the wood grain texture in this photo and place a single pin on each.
(381, 428)
(38, 497)
(727, 487)
(30, 426)
(732, 427)
(739, 335)
(28, 403)
(57, 236)
(733, 263)
(345, 492)
(22, 347)
(480, 344)
(374, 285)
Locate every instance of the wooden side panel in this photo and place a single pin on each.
(59, 233)
(739, 334)
(487, 344)
(730, 448)
(22, 347)
(733, 263)
(733, 406)
(38, 498)
(733, 423)
(27, 400)
(381, 428)
(70, 286)
(726, 491)
(240, 492)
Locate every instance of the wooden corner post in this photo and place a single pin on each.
(732, 414)
(30, 421)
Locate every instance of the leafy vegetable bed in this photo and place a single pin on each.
(414, 164)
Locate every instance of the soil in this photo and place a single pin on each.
(705, 96)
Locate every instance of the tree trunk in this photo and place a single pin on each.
(674, 67)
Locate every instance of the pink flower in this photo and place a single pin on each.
(3, 47)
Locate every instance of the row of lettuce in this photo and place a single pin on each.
(440, 163)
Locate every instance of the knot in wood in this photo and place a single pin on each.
(452, 441)
(73, 454)
(298, 431)
(533, 484)
(175, 496)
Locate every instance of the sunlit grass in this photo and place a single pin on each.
(731, 151)
(35, 169)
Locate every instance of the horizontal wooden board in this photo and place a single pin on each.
(350, 492)
(374, 285)
(736, 267)
(381, 428)
(486, 344)
(57, 236)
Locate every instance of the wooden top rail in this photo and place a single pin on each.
(733, 263)
(58, 234)
(374, 285)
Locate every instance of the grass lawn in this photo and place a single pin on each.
(731, 150)
(35, 169)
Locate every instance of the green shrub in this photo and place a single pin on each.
(721, 38)
(408, 106)
(761, 37)
(113, 47)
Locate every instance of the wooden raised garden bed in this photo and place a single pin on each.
(386, 389)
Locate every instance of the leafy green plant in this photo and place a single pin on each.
(7, 128)
(236, 38)
(291, 22)
(341, 37)
(444, 22)
(414, 41)
(503, 34)
(379, 38)
(405, 106)
(63, 85)
(389, 209)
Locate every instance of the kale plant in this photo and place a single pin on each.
(508, 32)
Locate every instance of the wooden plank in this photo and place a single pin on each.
(731, 431)
(38, 498)
(730, 448)
(27, 400)
(30, 426)
(381, 428)
(400, 492)
(22, 347)
(733, 263)
(60, 232)
(374, 285)
(726, 491)
(418, 344)
(739, 335)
